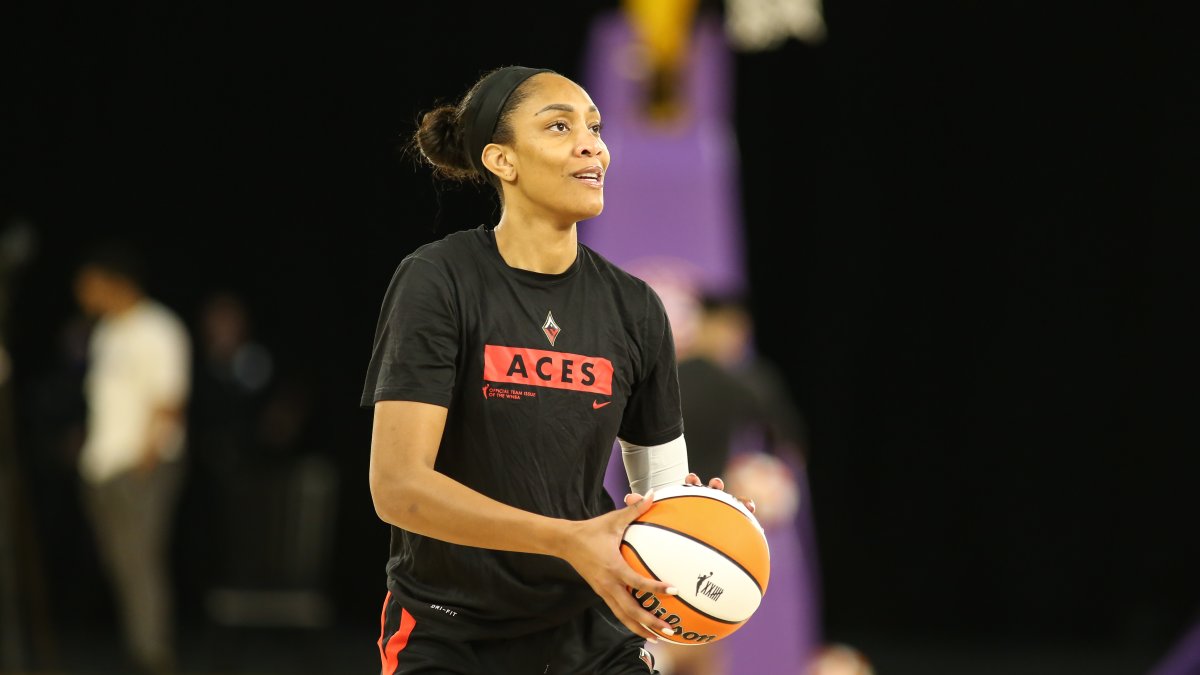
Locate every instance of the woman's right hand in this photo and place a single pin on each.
(593, 546)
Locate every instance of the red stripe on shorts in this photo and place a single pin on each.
(383, 622)
(389, 651)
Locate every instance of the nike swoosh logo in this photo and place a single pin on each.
(596, 405)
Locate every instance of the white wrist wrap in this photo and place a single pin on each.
(656, 466)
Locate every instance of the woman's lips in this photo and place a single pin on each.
(591, 176)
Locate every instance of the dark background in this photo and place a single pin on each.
(971, 232)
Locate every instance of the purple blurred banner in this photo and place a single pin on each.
(672, 207)
(672, 190)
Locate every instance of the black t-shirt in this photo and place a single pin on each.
(540, 372)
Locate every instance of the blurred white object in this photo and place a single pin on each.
(769, 482)
(759, 25)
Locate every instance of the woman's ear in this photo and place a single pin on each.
(499, 160)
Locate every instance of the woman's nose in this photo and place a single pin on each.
(589, 146)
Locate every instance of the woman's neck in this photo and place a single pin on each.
(536, 244)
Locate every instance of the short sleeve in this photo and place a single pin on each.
(653, 414)
(166, 353)
(416, 339)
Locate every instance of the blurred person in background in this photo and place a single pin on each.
(727, 389)
(742, 425)
(260, 503)
(225, 464)
(745, 425)
(232, 374)
(136, 388)
(57, 407)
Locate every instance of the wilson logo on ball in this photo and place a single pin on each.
(652, 604)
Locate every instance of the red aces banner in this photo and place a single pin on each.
(539, 368)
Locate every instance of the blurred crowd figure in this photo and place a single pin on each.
(741, 424)
(744, 425)
(258, 484)
(241, 525)
(232, 374)
(18, 242)
(136, 387)
(727, 389)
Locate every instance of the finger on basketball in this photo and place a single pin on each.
(639, 630)
(634, 616)
(623, 517)
(634, 498)
(648, 620)
(716, 484)
(692, 479)
(634, 580)
(629, 618)
(641, 503)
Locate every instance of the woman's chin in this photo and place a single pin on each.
(580, 210)
(591, 209)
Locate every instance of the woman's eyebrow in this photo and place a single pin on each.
(564, 107)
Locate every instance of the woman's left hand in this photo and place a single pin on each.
(693, 479)
(717, 484)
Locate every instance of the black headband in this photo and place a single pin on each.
(483, 110)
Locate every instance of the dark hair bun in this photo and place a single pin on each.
(440, 140)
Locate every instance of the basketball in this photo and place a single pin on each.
(709, 546)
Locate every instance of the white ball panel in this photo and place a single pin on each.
(706, 580)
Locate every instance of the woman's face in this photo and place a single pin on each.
(558, 158)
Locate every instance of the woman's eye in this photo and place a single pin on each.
(597, 127)
(559, 126)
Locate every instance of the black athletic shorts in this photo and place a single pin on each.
(593, 643)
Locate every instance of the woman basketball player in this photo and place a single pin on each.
(506, 360)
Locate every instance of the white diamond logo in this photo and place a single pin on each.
(550, 328)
